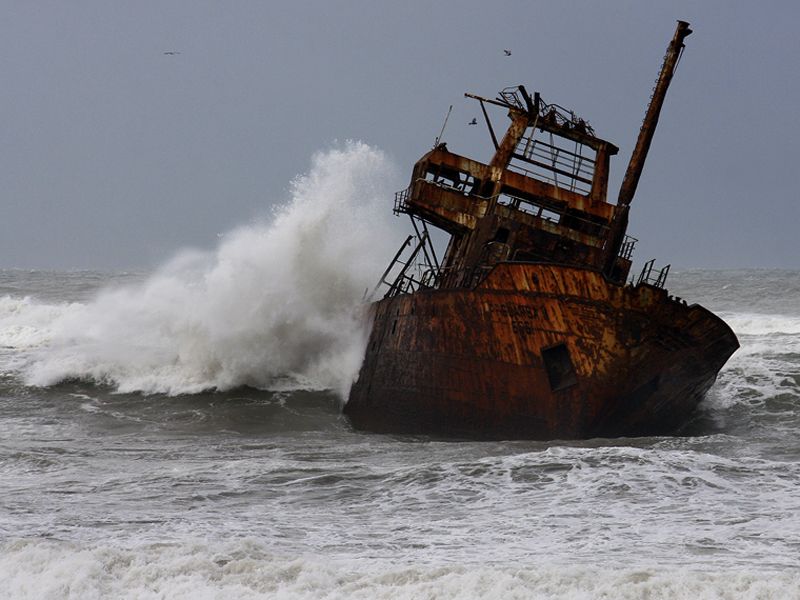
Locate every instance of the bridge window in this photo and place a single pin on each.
(450, 178)
(530, 207)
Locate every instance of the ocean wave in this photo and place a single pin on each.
(276, 302)
(762, 324)
(25, 323)
(246, 569)
(763, 375)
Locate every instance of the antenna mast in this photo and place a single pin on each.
(441, 133)
(636, 164)
(619, 223)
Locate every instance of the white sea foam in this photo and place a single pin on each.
(25, 323)
(276, 301)
(762, 324)
(764, 367)
(246, 569)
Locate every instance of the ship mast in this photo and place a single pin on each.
(636, 164)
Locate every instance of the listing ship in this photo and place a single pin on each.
(529, 327)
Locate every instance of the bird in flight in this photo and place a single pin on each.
(473, 122)
(507, 52)
(171, 52)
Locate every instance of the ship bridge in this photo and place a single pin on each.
(542, 197)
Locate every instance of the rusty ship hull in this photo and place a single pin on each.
(488, 362)
(531, 326)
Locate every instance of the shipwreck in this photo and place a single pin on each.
(530, 325)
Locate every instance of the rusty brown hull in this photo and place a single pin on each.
(537, 351)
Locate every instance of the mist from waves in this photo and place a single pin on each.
(276, 305)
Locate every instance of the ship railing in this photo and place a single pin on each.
(542, 174)
(458, 188)
(401, 201)
(415, 265)
(554, 164)
(558, 114)
(651, 276)
(401, 197)
(408, 283)
(463, 187)
(626, 249)
(570, 163)
(469, 278)
(511, 96)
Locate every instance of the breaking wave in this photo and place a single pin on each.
(275, 305)
(762, 324)
(246, 569)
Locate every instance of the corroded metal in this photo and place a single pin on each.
(471, 363)
(528, 328)
(636, 164)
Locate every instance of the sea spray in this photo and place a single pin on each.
(276, 304)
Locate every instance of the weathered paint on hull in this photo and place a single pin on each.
(489, 362)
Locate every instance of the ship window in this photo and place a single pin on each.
(531, 207)
(560, 371)
(450, 178)
(549, 215)
(501, 235)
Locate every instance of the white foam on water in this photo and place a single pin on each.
(25, 323)
(245, 569)
(767, 364)
(762, 324)
(275, 302)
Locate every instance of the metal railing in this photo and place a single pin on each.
(414, 266)
(626, 250)
(401, 201)
(647, 277)
(558, 114)
(554, 164)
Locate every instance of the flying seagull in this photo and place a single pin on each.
(171, 52)
(473, 122)
(507, 52)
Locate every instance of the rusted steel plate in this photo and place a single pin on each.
(472, 362)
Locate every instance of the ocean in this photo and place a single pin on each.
(178, 433)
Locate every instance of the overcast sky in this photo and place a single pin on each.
(115, 155)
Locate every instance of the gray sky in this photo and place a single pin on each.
(115, 155)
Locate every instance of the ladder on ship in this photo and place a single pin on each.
(418, 263)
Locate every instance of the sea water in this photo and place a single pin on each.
(178, 434)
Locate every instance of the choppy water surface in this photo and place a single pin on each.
(120, 477)
(263, 493)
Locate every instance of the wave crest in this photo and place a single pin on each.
(276, 301)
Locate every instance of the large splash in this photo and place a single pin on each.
(275, 305)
